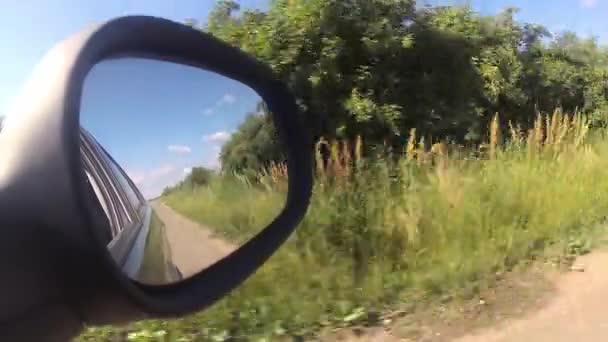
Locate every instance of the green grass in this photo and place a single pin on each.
(230, 206)
(393, 235)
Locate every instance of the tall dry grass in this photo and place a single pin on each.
(393, 232)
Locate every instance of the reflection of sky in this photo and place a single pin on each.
(159, 119)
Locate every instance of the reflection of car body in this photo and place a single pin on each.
(136, 239)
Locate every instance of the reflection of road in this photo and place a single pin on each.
(193, 247)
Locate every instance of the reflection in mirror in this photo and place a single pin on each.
(185, 165)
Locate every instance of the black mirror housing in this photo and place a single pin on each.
(58, 273)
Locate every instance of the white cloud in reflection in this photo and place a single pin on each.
(179, 148)
(227, 99)
(588, 3)
(152, 182)
(217, 137)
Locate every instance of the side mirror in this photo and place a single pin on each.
(83, 243)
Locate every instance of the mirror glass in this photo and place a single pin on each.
(185, 164)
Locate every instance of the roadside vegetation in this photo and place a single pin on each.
(423, 192)
(384, 234)
(235, 206)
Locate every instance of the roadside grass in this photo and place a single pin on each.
(383, 235)
(230, 205)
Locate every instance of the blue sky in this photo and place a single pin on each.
(159, 119)
(175, 141)
(585, 17)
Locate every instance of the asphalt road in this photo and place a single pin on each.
(193, 246)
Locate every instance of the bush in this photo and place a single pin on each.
(381, 233)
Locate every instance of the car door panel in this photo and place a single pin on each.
(139, 243)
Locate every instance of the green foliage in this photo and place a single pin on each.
(378, 68)
(392, 235)
(395, 233)
(254, 146)
(198, 176)
(230, 205)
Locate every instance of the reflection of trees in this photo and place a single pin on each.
(197, 177)
(254, 145)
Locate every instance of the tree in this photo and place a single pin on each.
(378, 68)
(199, 176)
(254, 146)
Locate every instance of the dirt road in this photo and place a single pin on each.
(578, 312)
(193, 247)
(573, 307)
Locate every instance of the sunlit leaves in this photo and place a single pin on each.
(377, 68)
